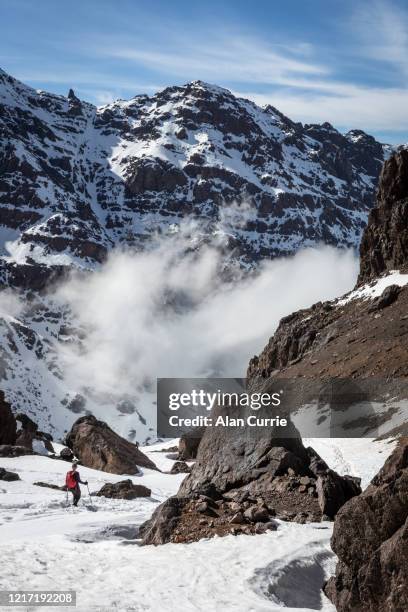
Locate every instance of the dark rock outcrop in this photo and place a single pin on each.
(164, 520)
(189, 443)
(242, 479)
(333, 491)
(320, 343)
(8, 450)
(8, 426)
(125, 489)
(27, 431)
(8, 476)
(97, 446)
(180, 467)
(370, 538)
(388, 297)
(384, 245)
(67, 455)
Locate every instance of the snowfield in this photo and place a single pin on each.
(47, 544)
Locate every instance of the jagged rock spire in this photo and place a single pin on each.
(384, 245)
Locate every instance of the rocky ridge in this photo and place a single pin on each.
(77, 181)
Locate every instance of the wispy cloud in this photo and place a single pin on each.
(369, 108)
(225, 55)
(382, 31)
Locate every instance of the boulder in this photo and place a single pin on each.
(388, 297)
(332, 490)
(9, 450)
(8, 426)
(8, 476)
(97, 446)
(237, 519)
(230, 458)
(370, 538)
(67, 455)
(180, 467)
(30, 437)
(125, 489)
(257, 514)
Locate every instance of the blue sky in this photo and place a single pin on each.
(316, 60)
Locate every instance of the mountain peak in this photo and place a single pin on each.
(198, 84)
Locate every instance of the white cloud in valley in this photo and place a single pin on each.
(166, 313)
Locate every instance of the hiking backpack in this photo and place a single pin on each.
(70, 480)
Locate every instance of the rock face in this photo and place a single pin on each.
(165, 518)
(97, 446)
(321, 342)
(371, 540)
(125, 489)
(8, 426)
(384, 245)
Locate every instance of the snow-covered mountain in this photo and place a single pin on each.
(77, 180)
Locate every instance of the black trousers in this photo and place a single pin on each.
(76, 494)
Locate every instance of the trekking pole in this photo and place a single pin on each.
(89, 493)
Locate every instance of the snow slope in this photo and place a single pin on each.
(374, 289)
(46, 545)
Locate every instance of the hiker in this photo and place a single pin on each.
(72, 481)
